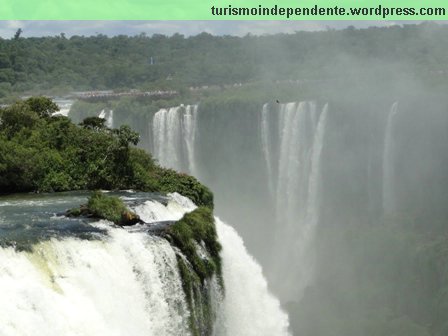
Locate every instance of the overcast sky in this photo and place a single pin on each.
(239, 28)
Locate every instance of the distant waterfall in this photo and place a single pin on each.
(190, 118)
(110, 119)
(64, 106)
(312, 213)
(174, 133)
(266, 142)
(389, 162)
(166, 127)
(297, 182)
(108, 115)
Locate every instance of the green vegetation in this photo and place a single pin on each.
(198, 227)
(59, 65)
(186, 185)
(42, 153)
(195, 236)
(111, 208)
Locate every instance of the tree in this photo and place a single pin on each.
(16, 117)
(94, 123)
(126, 136)
(17, 34)
(43, 106)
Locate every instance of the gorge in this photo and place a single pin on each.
(306, 175)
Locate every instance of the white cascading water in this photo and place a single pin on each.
(301, 135)
(128, 284)
(110, 119)
(108, 116)
(190, 122)
(248, 307)
(389, 162)
(303, 245)
(292, 160)
(64, 106)
(174, 133)
(293, 166)
(265, 142)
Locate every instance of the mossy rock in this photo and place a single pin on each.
(129, 218)
(198, 227)
(198, 262)
(111, 208)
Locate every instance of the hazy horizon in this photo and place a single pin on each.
(188, 28)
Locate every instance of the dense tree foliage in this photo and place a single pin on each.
(63, 64)
(44, 153)
(40, 152)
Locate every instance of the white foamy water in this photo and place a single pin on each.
(176, 207)
(128, 283)
(248, 308)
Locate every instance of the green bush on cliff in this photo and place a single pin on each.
(186, 185)
(197, 228)
(195, 236)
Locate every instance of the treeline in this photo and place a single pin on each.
(60, 64)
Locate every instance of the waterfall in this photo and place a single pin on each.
(312, 212)
(265, 141)
(248, 307)
(126, 282)
(292, 159)
(108, 116)
(174, 134)
(126, 285)
(389, 162)
(190, 118)
(110, 119)
(303, 244)
(300, 142)
(166, 127)
(64, 106)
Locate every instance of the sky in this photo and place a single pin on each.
(187, 28)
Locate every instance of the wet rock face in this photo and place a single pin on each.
(129, 218)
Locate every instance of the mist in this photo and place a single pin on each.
(340, 199)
